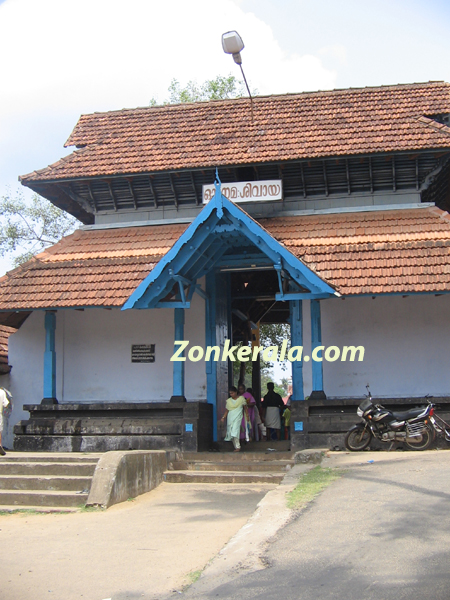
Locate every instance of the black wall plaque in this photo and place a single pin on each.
(143, 353)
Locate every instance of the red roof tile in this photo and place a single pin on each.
(288, 127)
(392, 251)
(88, 268)
(389, 251)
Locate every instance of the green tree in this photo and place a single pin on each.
(30, 226)
(220, 88)
(273, 334)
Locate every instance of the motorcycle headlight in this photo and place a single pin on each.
(359, 412)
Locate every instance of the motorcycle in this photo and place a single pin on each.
(412, 427)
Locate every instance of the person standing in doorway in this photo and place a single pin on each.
(286, 416)
(235, 407)
(271, 404)
(248, 433)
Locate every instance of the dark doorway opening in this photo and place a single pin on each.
(252, 304)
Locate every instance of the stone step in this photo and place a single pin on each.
(255, 467)
(231, 456)
(221, 477)
(47, 468)
(66, 483)
(51, 457)
(27, 498)
(87, 426)
(94, 443)
(278, 446)
(7, 508)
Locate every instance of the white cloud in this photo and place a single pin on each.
(103, 54)
(62, 59)
(337, 52)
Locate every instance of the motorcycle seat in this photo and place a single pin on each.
(408, 414)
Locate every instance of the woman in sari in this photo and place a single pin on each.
(235, 407)
(249, 433)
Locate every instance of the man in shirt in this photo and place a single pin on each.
(271, 405)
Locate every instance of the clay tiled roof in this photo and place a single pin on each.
(392, 251)
(289, 127)
(88, 268)
(5, 332)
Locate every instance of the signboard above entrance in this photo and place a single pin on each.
(247, 191)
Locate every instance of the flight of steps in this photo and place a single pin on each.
(45, 481)
(248, 466)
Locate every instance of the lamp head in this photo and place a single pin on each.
(232, 44)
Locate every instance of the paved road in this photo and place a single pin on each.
(381, 532)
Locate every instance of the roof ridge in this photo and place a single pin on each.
(295, 126)
(264, 96)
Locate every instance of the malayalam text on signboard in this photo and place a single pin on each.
(247, 191)
(143, 353)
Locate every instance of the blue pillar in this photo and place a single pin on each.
(297, 340)
(210, 340)
(316, 340)
(178, 366)
(50, 359)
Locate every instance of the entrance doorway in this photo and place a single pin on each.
(257, 319)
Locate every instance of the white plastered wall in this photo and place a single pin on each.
(406, 343)
(93, 357)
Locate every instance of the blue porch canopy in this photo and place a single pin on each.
(223, 236)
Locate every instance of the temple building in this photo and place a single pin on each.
(200, 221)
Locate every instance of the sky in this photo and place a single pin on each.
(63, 58)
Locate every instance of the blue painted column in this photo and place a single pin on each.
(316, 341)
(50, 359)
(297, 340)
(178, 366)
(210, 340)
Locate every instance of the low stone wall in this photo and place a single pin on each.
(122, 475)
(83, 427)
(324, 423)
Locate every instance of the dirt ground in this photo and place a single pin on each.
(143, 548)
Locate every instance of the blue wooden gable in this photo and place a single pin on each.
(223, 236)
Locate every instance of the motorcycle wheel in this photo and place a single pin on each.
(425, 442)
(358, 438)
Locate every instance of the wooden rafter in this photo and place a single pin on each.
(152, 190)
(347, 170)
(417, 173)
(91, 195)
(112, 194)
(325, 181)
(303, 180)
(133, 195)
(86, 205)
(197, 201)
(394, 183)
(172, 185)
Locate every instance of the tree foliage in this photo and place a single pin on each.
(220, 88)
(273, 334)
(28, 227)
